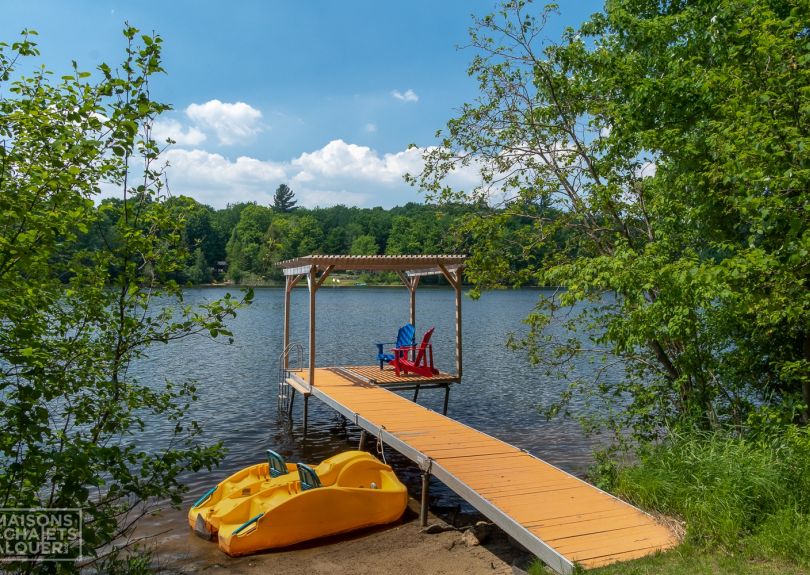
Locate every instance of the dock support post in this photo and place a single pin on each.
(306, 413)
(423, 510)
(425, 490)
(363, 438)
(292, 400)
(446, 398)
(415, 394)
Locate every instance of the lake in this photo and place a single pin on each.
(500, 394)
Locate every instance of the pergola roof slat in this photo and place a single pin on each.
(411, 264)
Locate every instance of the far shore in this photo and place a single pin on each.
(354, 285)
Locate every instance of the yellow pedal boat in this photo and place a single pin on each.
(203, 517)
(349, 491)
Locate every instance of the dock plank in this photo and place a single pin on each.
(557, 516)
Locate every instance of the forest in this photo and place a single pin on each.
(250, 238)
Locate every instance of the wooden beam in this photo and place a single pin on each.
(289, 283)
(423, 264)
(404, 278)
(435, 271)
(312, 282)
(454, 278)
(415, 284)
(297, 270)
(450, 275)
(325, 274)
(411, 283)
(458, 329)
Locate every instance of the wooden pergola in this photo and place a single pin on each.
(409, 268)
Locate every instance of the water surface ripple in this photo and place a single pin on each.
(501, 394)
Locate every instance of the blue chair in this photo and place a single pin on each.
(405, 338)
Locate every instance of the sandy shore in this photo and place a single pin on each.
(401, 548)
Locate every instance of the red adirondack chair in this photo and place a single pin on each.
(420, 364)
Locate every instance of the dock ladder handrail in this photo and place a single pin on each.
(285, 367)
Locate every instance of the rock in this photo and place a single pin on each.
(469, 538)
(435, 528)
(481, 530)
(477, 534)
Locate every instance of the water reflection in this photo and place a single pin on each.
(501, 394)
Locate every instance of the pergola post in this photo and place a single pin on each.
(314, 282)
(289, 284)
(411, 282)
(458, 328)
(454, 279)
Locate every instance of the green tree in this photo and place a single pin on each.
(364, 246)
(402, 238)
(305, 237)
(664, 143)
(283, 201)
(78, 293)
(200, 271)
(223, 222)
(244, 247)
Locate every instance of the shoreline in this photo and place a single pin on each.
(399, 548)
(345, 286)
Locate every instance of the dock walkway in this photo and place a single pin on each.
(558, 517)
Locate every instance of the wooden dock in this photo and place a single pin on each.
(561, 519)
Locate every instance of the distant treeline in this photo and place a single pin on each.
(243, 242)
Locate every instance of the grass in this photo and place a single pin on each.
(691, 560)
(745, 502)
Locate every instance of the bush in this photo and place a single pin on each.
(739, 493)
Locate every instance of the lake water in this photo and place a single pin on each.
(500, 394)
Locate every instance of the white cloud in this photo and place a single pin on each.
(408, 96)
(163, 129)
(338, 173)
(647, 170)
(232, 123)
(216, 180)
(339, 160)
(370, 128)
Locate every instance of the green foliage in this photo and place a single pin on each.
(199, 272)
(79, 293)
(740, 494)
(693, 560)
(364, 246)
(244, 246)
(259, 237)
(283, 201)
(652, 164)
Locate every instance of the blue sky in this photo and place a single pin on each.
(322, 95)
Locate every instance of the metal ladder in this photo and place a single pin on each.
(285, 390)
